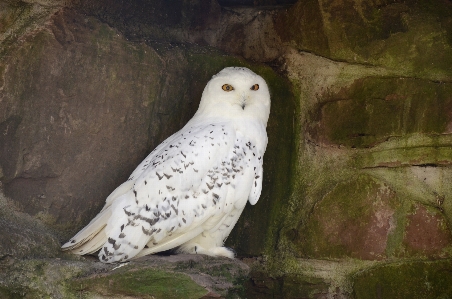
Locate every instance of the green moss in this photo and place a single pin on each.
(12, 294)
(373, 109)
(394, 242)
(410, 149)
(151, 282)
(222, 272)
(352, 220)
(419, 279)
(17, 19)
(411, 39)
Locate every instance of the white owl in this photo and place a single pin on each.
(190, 191)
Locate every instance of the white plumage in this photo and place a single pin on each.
(190, 191)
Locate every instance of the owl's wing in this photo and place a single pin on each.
(97, 224)
(178, 189)
(256, 188)
(161, 147)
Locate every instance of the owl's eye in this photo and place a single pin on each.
(227, 87)
(255, 87)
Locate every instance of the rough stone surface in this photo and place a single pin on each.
(366, 219)
(370, 119)
(78, 119)
(372, 110)
(240, 30)
(427, 232)
(21, 236)
(355, 219)
(358, 168)
(181, 276)
(405, 280)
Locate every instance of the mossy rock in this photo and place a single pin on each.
(303, 26)
(289, 286)
(372, 110)
(367, 218)
(355, 219)
(411, 37)
(141, 283)
(176, 276)
(417, 279)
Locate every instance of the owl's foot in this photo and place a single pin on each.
(213, 251)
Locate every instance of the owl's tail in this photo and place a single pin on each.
(93, 236)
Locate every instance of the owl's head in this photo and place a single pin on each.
(236, 93)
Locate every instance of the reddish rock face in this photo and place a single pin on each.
(365, 238)
(427, 233)
(366, 219)
(353, 220)
(81, 107)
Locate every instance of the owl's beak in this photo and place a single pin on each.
(243, 101)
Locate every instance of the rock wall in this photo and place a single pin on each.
(356, 200)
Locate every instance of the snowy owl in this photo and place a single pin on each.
(189, 192)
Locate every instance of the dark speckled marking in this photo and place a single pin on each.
(148, 220)
(128, 213)
(148, 232)
(107, 253)
(175, 210)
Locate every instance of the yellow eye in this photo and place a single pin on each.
(255, 87)
(227, 87)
